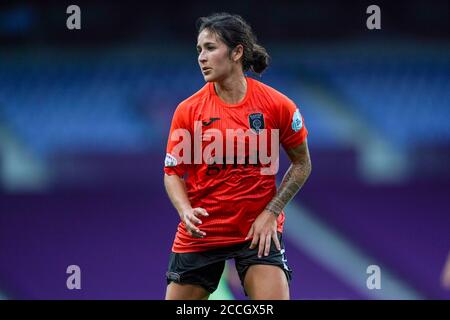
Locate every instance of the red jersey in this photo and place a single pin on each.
(232, 189)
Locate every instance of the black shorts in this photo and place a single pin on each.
(205, 268)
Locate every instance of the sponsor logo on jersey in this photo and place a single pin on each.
(297, 122)
(211, 120)
(238, 147)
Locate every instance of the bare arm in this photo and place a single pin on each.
(294, 178)
(176, 189)
(264, 229)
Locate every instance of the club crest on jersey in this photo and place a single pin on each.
(170, 161)
(256, 121)
(297, 122)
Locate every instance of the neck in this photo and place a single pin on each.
(232, 90)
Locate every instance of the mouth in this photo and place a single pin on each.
(206, 69)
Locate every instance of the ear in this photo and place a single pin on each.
(237, 53)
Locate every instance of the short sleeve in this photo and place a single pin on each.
(179, 134)
(293, 131)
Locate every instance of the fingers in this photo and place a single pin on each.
(276, 241)
(195, 220)
(263, 241)
(250, 232)
(255, 241)
(191, 220)
(196, 233)
(262, 244)
(193, 229)
(267, 248)
(199, 234)
(200, 211)
(196, 212)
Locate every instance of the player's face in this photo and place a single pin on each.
(213, 57)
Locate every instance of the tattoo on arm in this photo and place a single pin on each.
(294, 178)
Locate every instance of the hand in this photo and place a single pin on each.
(263, 230)
(190, 220)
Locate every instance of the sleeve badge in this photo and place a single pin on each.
(297, 122)
(170, 160)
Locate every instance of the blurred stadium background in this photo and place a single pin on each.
(84, 118)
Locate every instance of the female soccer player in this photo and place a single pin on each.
(228, 204)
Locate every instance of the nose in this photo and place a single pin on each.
(202, 57)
